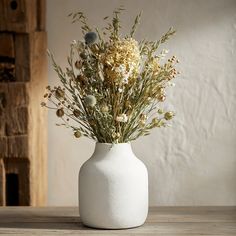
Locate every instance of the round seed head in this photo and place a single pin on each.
(90, 101)
(90, 38)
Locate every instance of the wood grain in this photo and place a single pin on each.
(165, 221)
(23, 78)
(2, 181)
(37, 115)
(20, 15)
(7, 48)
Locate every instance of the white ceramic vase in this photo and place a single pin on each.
(113, 188)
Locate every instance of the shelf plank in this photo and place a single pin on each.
(161, 221)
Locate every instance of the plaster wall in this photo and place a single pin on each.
(194, 161)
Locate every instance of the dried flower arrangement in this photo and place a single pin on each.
(111, 89)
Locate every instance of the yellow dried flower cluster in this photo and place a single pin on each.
(122, 60)
(112, 89)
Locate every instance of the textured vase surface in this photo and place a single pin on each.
(113, 188)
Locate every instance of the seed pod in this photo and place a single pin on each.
(169, 115)
(76, 113)
(43, 104)
(83, 55)
(60, 112)
(155, 121)
(142, 123)
(77, 134)
(78, 65)
(161, 97)
(59, 93)
(115, 135)
(143, 117)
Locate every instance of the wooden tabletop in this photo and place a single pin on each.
(164, 221)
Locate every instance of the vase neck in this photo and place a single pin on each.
(103, 150)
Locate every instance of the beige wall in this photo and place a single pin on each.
(194, 162)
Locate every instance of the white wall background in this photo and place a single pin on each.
(194, 162)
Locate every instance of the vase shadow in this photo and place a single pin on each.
(50, 223)
(45, 222)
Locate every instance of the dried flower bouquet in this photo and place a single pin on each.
(112, 88)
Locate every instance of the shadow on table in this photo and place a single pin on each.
(45, 222)
(50, 223)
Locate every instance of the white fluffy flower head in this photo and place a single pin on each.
(122, 118)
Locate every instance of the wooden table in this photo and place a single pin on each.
(164, 221)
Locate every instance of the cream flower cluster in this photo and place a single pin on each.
(122, 60)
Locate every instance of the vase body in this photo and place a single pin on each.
(113, 188)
